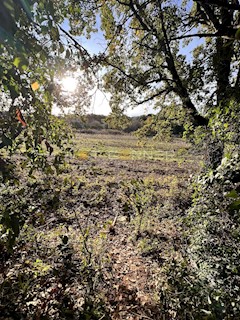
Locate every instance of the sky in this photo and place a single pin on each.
(100, 100)
(94, 45)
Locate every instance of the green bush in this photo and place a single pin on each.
(205, 282)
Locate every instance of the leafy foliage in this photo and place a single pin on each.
(144, 62)
(117, 119)
(205, 283)
(147, 54)
(33, 56)
(165, 124)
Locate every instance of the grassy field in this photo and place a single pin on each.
(97, 246)
(129, 147)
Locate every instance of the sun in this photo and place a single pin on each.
(69, 84)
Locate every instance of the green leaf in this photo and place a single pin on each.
(21, 63)
(232, 194)
(50, 8)
(16, 62)
(44, 29)
(235, 205)
(55, 33)
(237, 34)
(61, 48)
(6, 141)
(13, 92)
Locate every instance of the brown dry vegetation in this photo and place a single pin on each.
(96, 247)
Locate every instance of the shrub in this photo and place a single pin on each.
(205, 282)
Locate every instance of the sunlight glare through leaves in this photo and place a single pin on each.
(69, 84)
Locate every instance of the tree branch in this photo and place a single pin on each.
(157, 94)
(180, 89)
(76, 43)
(160, 79)
(143, 24)
(222, 4)
(209, 12)
(122, 71)
(131, 6)
(199, 35)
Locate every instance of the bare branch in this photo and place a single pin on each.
(199, 35)
(122, 71)
(157, 94)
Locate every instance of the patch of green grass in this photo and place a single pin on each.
(128, 147)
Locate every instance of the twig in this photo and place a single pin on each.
(115, 220)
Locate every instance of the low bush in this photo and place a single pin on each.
(205, 282)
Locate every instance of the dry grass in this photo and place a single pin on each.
(98, 213)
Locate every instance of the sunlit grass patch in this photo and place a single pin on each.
(83, 155)
(128, 147)
(125, 154)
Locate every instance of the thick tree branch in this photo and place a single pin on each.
(226, 33)
(155, 95)
(210, 13)
(222, 4)
(199, 35)
(180, 89)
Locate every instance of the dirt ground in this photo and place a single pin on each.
(109, 225)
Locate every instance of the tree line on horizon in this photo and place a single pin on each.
(142, 125)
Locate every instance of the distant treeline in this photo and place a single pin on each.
(101, 122)
(95, 122)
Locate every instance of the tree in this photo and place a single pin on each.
(34, 54)
(145, 62)
(117, 119)
(144, 55)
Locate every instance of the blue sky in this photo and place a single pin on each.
(96, 44)
(100, 100)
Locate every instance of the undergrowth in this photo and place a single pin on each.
(204, 282)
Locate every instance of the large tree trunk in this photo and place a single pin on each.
(223, 57)
(180, 89)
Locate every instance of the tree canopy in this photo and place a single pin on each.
(35, 55)
(146, 57)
